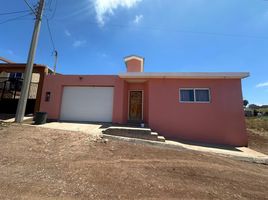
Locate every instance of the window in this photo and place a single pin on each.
(47, 97)
(202, 95)
(187, 95)
(195, 95)
(16, 75)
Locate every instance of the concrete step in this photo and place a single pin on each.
(161, 138)
(133, 132)
(154, 134)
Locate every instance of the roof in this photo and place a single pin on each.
(5, 60)
(21, 66)
(186, 75)
(127, 58)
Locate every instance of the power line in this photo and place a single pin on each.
(54, 10)
(31, 8)
(50, 35)
(15, 12)
(49, 4)
(14, 18)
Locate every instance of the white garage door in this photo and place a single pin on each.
(87, 104)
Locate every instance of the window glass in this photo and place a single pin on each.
(18, 75)
(12, 75)
(187, 95)
(15, 75)
(202, 95)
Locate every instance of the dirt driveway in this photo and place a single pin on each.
(39, 163)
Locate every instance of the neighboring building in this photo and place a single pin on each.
(18, 75)
(11, 77)
(249, 112)
(201, 107)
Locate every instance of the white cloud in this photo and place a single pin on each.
(138, 19)
(265, 84)
(79, 43)
(67, 33)
(107, 7)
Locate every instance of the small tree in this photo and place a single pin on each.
(245, 103)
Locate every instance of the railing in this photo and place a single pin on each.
(10, 88)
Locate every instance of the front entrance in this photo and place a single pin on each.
(135, 112)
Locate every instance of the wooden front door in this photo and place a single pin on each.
(135, 105)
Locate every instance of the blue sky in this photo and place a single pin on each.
(93, 36)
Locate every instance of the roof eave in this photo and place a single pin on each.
(185, 75)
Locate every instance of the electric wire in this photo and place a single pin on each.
(50, 34)
(54, 10)
(30, 7)
(14, 18)
(15, 12)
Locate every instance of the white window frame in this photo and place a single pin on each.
(194, 101)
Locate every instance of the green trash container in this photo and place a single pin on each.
(40, 118)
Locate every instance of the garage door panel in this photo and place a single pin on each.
(87, 104)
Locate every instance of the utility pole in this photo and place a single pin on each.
(29, 67)
(55, 61)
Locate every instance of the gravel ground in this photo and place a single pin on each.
(39, 163)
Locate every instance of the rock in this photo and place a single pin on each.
(105, 141)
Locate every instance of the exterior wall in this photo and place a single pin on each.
(221, 121)
(4, 75)
(134, 66)
(55, 84)
(35, 77)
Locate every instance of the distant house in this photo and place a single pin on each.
(249, 112)
(201, 107)
(17, 75)
(14, 77)
(11, 77)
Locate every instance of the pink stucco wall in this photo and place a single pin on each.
(55, 84)
(221, 121)
(134, 66)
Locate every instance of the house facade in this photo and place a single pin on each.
(11, 77)
(200, 107)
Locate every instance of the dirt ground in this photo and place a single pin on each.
(258, 133)
(258, 140)
(39, 163)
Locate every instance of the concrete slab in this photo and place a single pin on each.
(239, 153)
(12, 119)
(92, 129)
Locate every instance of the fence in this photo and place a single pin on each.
(11, 88)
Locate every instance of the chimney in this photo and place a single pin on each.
(134, 63)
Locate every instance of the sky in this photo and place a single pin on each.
(93, 37)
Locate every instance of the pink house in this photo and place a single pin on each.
(201, 107)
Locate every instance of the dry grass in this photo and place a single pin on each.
(257, 123)
(258, 133)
